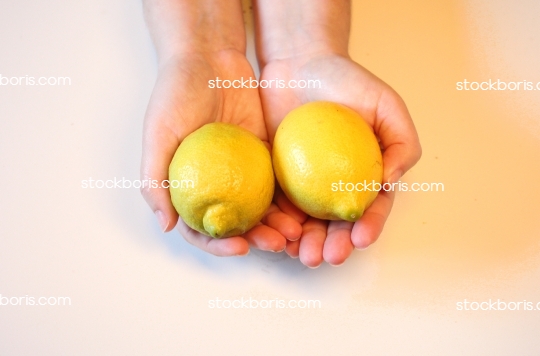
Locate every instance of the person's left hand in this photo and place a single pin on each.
(181, 103)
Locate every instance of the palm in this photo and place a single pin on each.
(343, 81)
(186, 101)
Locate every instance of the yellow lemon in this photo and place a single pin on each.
(325, 156)
(221, 180)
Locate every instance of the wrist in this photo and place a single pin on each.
(205, 62)
(182, 27)
(301, 50)
(301, 28)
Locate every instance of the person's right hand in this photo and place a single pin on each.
(343, 81)
(181, 103)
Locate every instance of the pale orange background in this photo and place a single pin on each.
(137, 291)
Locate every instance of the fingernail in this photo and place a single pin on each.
(162, 220)
(314, 267)
(291, 256)
(245, 254)
(361, 248)
(337, 264)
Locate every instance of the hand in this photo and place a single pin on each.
(181, 103)
(343, 81)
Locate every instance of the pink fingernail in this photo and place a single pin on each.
(337, 264)
(162, 220)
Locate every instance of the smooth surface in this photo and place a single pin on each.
(137, 291)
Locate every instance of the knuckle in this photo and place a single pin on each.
(145, 192)
(418, 153)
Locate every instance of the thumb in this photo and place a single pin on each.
(158, 151)
(398, 158)
(399, 139)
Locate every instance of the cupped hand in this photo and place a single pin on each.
(182, 102)
(346, 82)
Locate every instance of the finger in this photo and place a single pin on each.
(157, 155)
(159, 146)
(398, 136)
(287, 207)
(231, 246)
(283, 223)
(338, 245)
(265, 238)
(312, 242)
(293, 248)
(369, 227)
